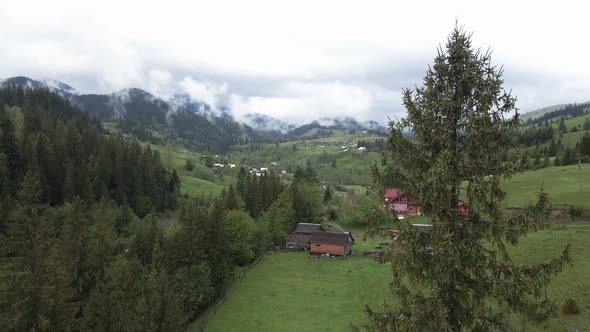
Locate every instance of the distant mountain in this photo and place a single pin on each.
(348, 123)
(374, 125)
(153, 119)
(325, 126)
(51, 85)
(183, 100)
(61, 86)
(267, 123)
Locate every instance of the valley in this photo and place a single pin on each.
(210, 191)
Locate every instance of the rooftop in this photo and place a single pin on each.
(337, 238)
(307, 228)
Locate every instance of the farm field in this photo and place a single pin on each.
(290, 292)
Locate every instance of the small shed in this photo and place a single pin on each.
(300, 237)
(333, 243)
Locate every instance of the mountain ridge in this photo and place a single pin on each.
(114, 105)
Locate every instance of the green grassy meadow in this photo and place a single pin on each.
(291, 292)
(561, 182)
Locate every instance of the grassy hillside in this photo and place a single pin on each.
(560, 182)
(540, 112)
(351, 167)
(202, 180)
(578, 121)
(291, 292)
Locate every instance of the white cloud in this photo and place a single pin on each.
(303, 102)
(210, 93)
(160, 83)
(292, 58)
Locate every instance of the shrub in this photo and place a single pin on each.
(570, 307)
(332, 213)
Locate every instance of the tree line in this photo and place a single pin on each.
(45, 136)
(82, 242)
(572, 110)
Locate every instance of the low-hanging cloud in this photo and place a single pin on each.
(303, 102)
(210, 93)
(291, 59)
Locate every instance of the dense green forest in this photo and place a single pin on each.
(82, 245)
(150, 119)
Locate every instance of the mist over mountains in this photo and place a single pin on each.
(137, 105)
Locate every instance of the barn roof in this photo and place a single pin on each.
(337, 238)
(294, 237)
(306, 228)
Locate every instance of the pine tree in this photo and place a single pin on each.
(562, 127)
(215, 247)
(462, 264)
(189, 165)
(36, 289)
(584, 146)
(569, 157)
(231, 199)
(241, 182)
(327, 195)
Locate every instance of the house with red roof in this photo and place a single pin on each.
(401, 202)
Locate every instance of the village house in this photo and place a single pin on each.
(331, 243)
(404, 203)
(300, 237)
(401, 202)
(362, 149)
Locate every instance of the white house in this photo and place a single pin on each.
(362, 149)
(218, 165)
(232, 165)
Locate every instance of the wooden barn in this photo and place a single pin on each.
(300, 237)
(333, 243)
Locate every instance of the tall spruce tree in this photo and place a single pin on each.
(459, 275)
(34, 287)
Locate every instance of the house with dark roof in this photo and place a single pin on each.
(332, 243)
(299, 239)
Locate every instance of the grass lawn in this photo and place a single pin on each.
(560, 182)
(290, 292)
(195, 187)
(573, 282)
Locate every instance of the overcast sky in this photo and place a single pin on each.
(295, 60)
